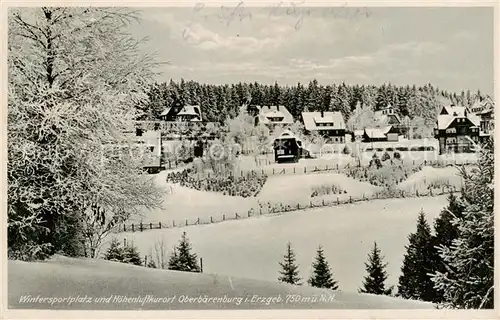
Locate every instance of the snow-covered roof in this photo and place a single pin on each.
(312, 119)
(358, 133)
(281, 112)
(449, 113)
(165, 111)
(189, 111)
(287, 134)
(376, 132)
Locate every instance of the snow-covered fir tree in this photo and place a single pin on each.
(374, 281)
(131, 255)
(115, 251)
(468, 280)
(182, 258)
(289, 272)
(322, 276)
(419, 263)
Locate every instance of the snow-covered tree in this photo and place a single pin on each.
(131, 255)
(364, 117)
(182, 258)
(374, 281)
(75, 82)
(289, 272)
(468, 281)
(115, 251)
(419, 264)
(322, 276)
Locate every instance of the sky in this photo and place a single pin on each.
(449, 47)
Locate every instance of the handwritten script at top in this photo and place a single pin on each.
(230, 14)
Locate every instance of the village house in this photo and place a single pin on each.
(486, 123)
(271, 115)
(457, 129)
(329, 124)
(388, 116)
(388, 133)
(178, 112)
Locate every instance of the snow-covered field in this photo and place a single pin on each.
(431, 176)
(251, 248)
(293, 189)
(90, 280)
(180, 203)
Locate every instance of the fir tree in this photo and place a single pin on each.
(290, 271)
(468, 280)
(375, 280)
(322, 276)
(173, 261)
(131, 255)
(115, 251)
(445, 230)
(418, 264)
(182, 258)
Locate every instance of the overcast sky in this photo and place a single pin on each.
(448, 47)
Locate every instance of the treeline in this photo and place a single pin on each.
(218, 102)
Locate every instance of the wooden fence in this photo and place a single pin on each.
(280, 208)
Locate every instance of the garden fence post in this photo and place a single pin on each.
(159, 225)
(223, 217)
(145, 261)
(350, 199)
(133, 228)
(124, 227)
(305, 168)
(150, 226)
(293, 170)
(273, 170)
(323, 202)
(338, 201)
(141, 226)
(211, 219)
(186, 222)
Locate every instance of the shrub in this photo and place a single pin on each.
(389, 149)
(386, 156)
(325, 189)
(245, 186)
(397, 155)
(387, 176)
(346, 150)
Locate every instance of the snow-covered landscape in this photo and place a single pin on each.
(240, 157)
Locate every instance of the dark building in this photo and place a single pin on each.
(457, 130)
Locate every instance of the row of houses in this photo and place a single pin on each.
(457, 129)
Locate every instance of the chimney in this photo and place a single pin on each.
(322, 114)
(278, 107)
